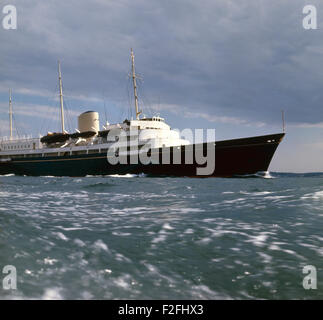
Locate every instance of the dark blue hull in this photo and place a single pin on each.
(232, 157)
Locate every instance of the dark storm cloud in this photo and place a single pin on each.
(236, 59)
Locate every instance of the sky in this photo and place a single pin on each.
(231, 65)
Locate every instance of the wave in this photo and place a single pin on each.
(98, 185)
(260, 174)
(297, 175)
(263, 175)
(127, 175)
(273, 175)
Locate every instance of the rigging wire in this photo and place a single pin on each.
(145, 101)
(130, 99)
(68, 112)
(48, 120)
(105, 112)
(15, 126)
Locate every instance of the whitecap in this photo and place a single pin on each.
(79, 242)
(258, 240)
(99, 244)
(52, 294)
(189, 210)
(61, 236)
(235, 200)
(121, 234)
(167, 226)
(261, 193)
(120, 257)
(316, 195)
(160, 238)
(128, 175)
(123, 282)
(50, 261)
(274, 247)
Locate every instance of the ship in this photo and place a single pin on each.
(143, 145)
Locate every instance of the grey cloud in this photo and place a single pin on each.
(239, 59)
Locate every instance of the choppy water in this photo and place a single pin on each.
(136, 237)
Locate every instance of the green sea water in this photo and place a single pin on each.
(136, 237)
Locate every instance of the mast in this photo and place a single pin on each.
(134, 84)
(283, 120)
(61, 95)
(10, 114)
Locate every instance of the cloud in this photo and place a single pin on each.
(239, 61)
(179, 110)
(34, 110)
(26, 115)
(307, 125)
(47, 94)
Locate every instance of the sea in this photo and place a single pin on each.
(139, 237)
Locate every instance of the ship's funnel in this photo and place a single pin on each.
(89, 121)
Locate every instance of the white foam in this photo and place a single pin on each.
(262, 193)
(61, 236)
(52, 294)
(167, 226)
(128, 175)
(72, 229)
(160, 238)
(318, 195)
(274, 247)
(79, 242)
(235, 200)
(123, 282)
(265, 175)
(50, 261)
(107, 271)
(277, 197)
(99, 244)
(189, 210)
(121, 234)
(120, 257)
(259, 240)
(266, 258)
(151, 268)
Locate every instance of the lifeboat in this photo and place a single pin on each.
(55, 138)
(84, 135)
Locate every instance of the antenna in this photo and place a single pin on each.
(283, 120)
(105, 110)
(134, 84)
(61, 96)
(10, 114)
